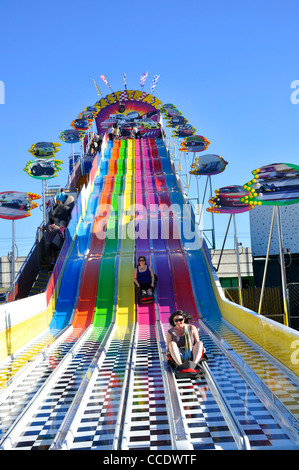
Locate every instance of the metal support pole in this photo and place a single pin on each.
(266, 263)
(238, 261)
(230, 218)
(204, 196)
(282, 267)
(213, 222)
(13, 257)
(73, 158)
(44, 200)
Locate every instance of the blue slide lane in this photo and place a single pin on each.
(198, 269)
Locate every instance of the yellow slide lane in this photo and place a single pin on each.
(125, 308)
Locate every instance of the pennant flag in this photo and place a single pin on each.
(123, 96)
(99, 93)
(154, 82)
(104, 80)
(125, 81)
(143, 78)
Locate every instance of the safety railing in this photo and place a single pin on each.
(293, 301)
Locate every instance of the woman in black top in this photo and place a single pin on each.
(183, 338)
(144, 277)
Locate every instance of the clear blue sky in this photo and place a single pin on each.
(227, 66)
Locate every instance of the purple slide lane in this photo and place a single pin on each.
(165, 293)
(146, 314)
(178, 264)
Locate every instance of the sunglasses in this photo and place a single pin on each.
(142, 259)
(179, 319)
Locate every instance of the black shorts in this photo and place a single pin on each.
(146, 286)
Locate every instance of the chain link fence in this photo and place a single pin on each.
(272, 305)
(293, 301)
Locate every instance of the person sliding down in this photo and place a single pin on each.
(144, 277)
(183, 341)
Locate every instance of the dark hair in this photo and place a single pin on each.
(52, 220)
(143, 258)
(185, 315)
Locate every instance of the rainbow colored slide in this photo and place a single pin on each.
(83, 364)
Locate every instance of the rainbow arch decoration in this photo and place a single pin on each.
(128, 108)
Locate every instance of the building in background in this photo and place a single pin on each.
(5, 270)
(260, 222)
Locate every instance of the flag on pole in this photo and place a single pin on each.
(123, 96)
(104, 80)
(99, 93)
(154, 82)
(125, 81)
(143, 78)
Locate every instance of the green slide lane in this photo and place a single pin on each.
(107, 275)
